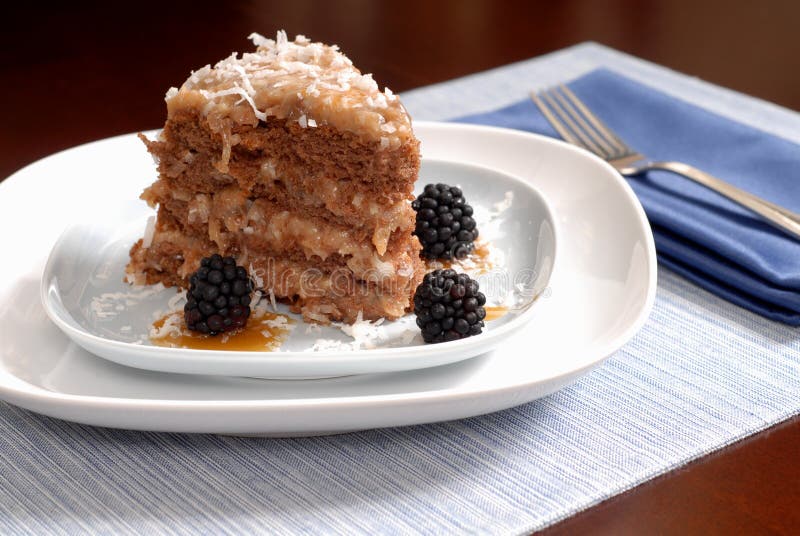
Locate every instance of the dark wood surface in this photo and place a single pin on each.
(81, 72)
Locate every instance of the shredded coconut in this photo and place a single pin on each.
(328, 345)
(149, 231)
(177, 302)
(310, 81)
(502, 206)
(492, 260)
(109, 304)
(489, 220)
(257, 278)
(313, 329)
(280, 322)
(408, 335)
(365, 334)
(170, 328)
(272, 300)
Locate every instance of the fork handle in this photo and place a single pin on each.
(783, 219)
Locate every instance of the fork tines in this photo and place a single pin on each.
(577, 124)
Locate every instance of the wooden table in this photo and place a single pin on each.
(72, 74)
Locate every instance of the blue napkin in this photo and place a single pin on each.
(699, 234)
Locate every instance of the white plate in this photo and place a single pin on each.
(88, 262)
(601, 291)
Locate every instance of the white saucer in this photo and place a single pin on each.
(84, 294)
(601, 291)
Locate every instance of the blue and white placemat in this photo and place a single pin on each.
(700, 375)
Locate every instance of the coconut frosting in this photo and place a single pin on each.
(311, 83)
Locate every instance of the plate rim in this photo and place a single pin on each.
(21, 390)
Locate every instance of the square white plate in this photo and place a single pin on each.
(599, 295)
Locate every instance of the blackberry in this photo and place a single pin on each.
(219, 296)
(445, 226)
(449, 306)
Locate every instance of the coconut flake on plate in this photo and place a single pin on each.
(108, 304)
(177, 302)
(313, 329)
(502, 206)
(171, 327)
(366, 335)
(279, 322)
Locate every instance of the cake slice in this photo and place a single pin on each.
(292, 161)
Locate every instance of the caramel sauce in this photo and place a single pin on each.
(256, 336)
(493, 312)
(478, 261)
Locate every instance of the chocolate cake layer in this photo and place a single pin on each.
(315, 166)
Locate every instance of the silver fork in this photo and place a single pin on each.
(579, 126)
